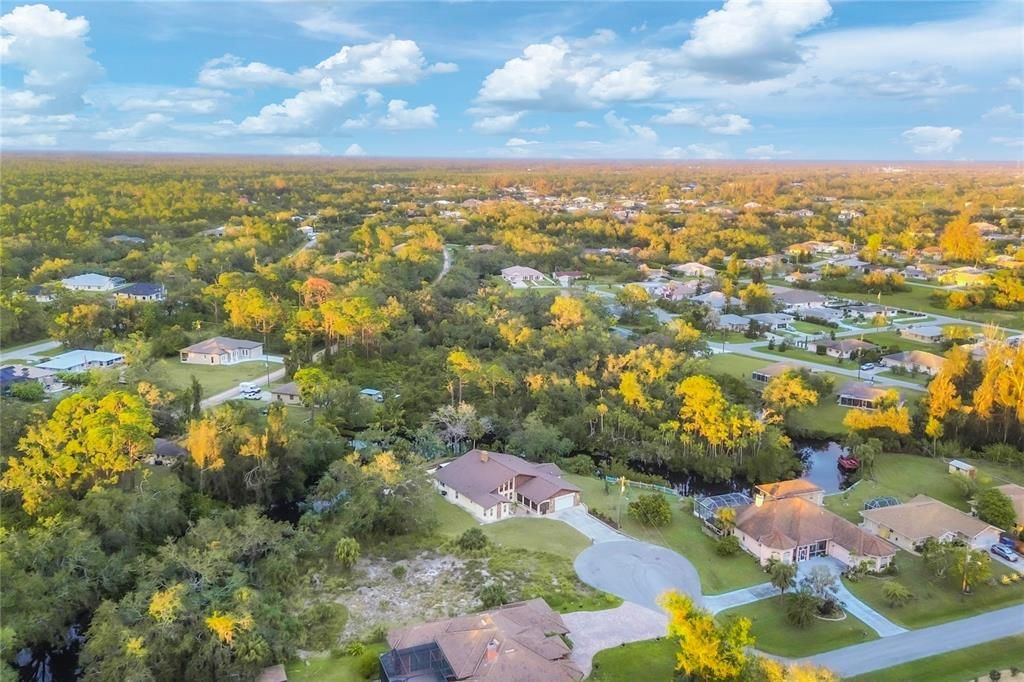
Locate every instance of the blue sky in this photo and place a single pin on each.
(739, 79)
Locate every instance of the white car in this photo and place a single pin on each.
(866, 366)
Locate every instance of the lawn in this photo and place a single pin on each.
(718, 337)
(936, 600)
(774, 634)
(811, 327)
(684, 535)
(214, 379)
(335, 668)
(966, 664)
(806, 356)
(915, 378)
(825, 418)
(896, 341)
(737, 365)
(650, 661)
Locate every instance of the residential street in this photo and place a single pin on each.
(29, 352)
(232, 392)
(637, 571)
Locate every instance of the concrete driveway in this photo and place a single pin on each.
(637, 571)
(593, 631)
(578, 518)
(855, 607)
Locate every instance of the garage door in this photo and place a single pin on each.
(564, 502)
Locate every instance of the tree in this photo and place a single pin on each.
(783, 575)
(567, 313)
(725, 518)
(346, 551)
(972, 566)
(823, 583)
(651, 509)
(896, 594)
(801, 607)
(787, 392)
(203, 443)
(28, 391)
(757, 298)
(86, 443)
(962, 241)
(472, 539)
(707, 650)
(996, 508)
(539, 442)
(634, 300)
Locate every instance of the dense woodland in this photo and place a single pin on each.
(181, 573)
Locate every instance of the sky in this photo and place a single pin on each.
(739, 79)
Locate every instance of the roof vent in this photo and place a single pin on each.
(492, 651)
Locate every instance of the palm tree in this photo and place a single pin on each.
(783, 576)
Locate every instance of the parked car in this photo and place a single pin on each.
(867, 365)
(1005, 552)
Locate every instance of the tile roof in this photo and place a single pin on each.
(479, 473)
(917, 357)
(794, 522)
(924, 517)
(781, 489)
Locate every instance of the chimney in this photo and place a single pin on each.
(484, 456)
(492, 651)
(758, 499)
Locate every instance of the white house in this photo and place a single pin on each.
(694, 270)
(91, 281)
(81, 360)
(909, 524)
(221, 350)
(518, 274)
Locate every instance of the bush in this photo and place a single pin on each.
(619, 468)
(896, 594)
(321, 625)
(472, 539)
(580, 464)
(346, 551)
(355, 649)
(493, 595)
(601, 516)
(398, 571)
(800, 608)
(996, 508)
(651, 509)
(727, 545)
(369, 666)
(28, 391)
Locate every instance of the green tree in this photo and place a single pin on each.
(346, 551)
(801, 607)
(28, 391)
(896, 594)
(783, 575)
(996, 508)
(651, 509)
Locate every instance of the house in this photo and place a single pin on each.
(796, 299)
(694, 270)
(221, 350)
(910, 524)
(490, 485)
(167, 452)
(769, 372)
(958, 468)
(372, 394)
(15, 374)
(91, 281)
(802, 277)
(794, 528)
(864, 396)
(716, 300)
(274, 673)
(966, 277)
(923, 333)
(797, 487)
(679, 291)
(914, 272)
(142, 292)
(870, 310)
(286, 393)
(820, 313)
(517, 642)
(915, 361)
(567, 277)
(772, 320)
(732, 323)
(1016, 495)
(125, 239)
(81, 360)
(845, 348)
(517, 274)
(42, 293)
(764, 262)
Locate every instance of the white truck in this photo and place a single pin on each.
(249, 391)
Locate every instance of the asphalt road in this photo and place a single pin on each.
(637, 571)
(29, 352)
(232, 392)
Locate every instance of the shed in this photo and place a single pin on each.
(962, 468)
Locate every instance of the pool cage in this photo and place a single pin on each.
(423, 663)
(880, 502)
(705, 508)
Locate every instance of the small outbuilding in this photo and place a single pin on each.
(962, 468)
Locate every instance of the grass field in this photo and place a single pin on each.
(919, 299)
(775, 635)
(916, 378)
(684, 535)
(966, 664)
(811, 327)
(826, 417)
(734, 364)
(936, 600)
(806, 356)
(894, 339)
(650, 661)
(214, 379)
(334, 668)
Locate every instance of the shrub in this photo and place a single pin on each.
(321, 625)
(355, 649)
(996, 508)
(398, 571)
(727, 545)
(896, 593)
(651, 509)
(800, 608)
(619, 468)
(580, 464)
(369, 666)
(347, 552)
(493, 595)
(472, 539)
(28, 391)
(600, 515)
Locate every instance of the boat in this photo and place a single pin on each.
(848, 463)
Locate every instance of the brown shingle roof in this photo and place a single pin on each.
(793, 522)
(529, 647)
(479, 473)
(924, 517)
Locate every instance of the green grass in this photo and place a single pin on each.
(774, 634)
(896, 341)
(936, 600)
(214, 379)
(997, 474)
(684, 535)
(806, 356)
(737, 365)
(966, 664)
(825, 418)
(333, 669)
(811, 327)
(915, 378)
(717, 337)
(650, 661)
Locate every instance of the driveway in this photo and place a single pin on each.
(720, 602)
(637, 571)
(593, 631)
(855, 607)
(578, 518)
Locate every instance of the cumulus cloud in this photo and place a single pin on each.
(231, 72)
(390, 61)
(932, 139)
(752, 40)
(634, 82)
(354, 150)
(400, 117)
(499, 123)
(310, 112)
(767, 151)
(643, 134)
(696, 151)
(142, 128)
(519, 142)
(720, 124)
(926, 82)
(51, 49)
(584, 124)
(150, 99)
(1002, 114)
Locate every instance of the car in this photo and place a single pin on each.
(867, 365)
(1005, 552)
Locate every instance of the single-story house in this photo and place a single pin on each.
(764, 262)
(870, 310)
(125, 239)
(15, 374)
(372, 394)
(274, 673)
(915, 361)
(862, 395)
(845, 348)
(518, 274)
(490, 484)
(716, 300)
(515, 643)
(796, 299)
(769, 372)
(850, 263)
(802, 277)
(693, 270)
(166, 452)
(142, 292)
(286, 393)
(1016, 494)
(567, 277)
(42, 293)
(733, 323)
(966, 277)
(794, 529)
(81, 360)
(923, 333)
(679, 291)
(772, 320)
(909, 524)
(821, 313)
(91, 281)
(221, 350)
(914, 272)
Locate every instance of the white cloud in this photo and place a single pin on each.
(932, 139)
(1014, 83)
(767, 151)
(355, 150)
(401, 117)
(52, 52)
(630, 83)
(231, 72)
(519, 142)
(35, 130)
(720, 124)
(28, 141)
(373, 98)
(926, 82)
(177, 100)
(752, 40)
(327, 24)
(696, 151)
(584, 124)
(443, 67)
(23, 100)
(142, 128)
(643, 134)
(1002, 114)
(306, 149)
(386, 62)
(310, 112)
(1012, 142)
(499, 123)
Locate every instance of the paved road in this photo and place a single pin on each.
(29, 352)
(578, 518)
(446, 266)
(637, 571)
(915, 644)
(232, 392)
(593, 631)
